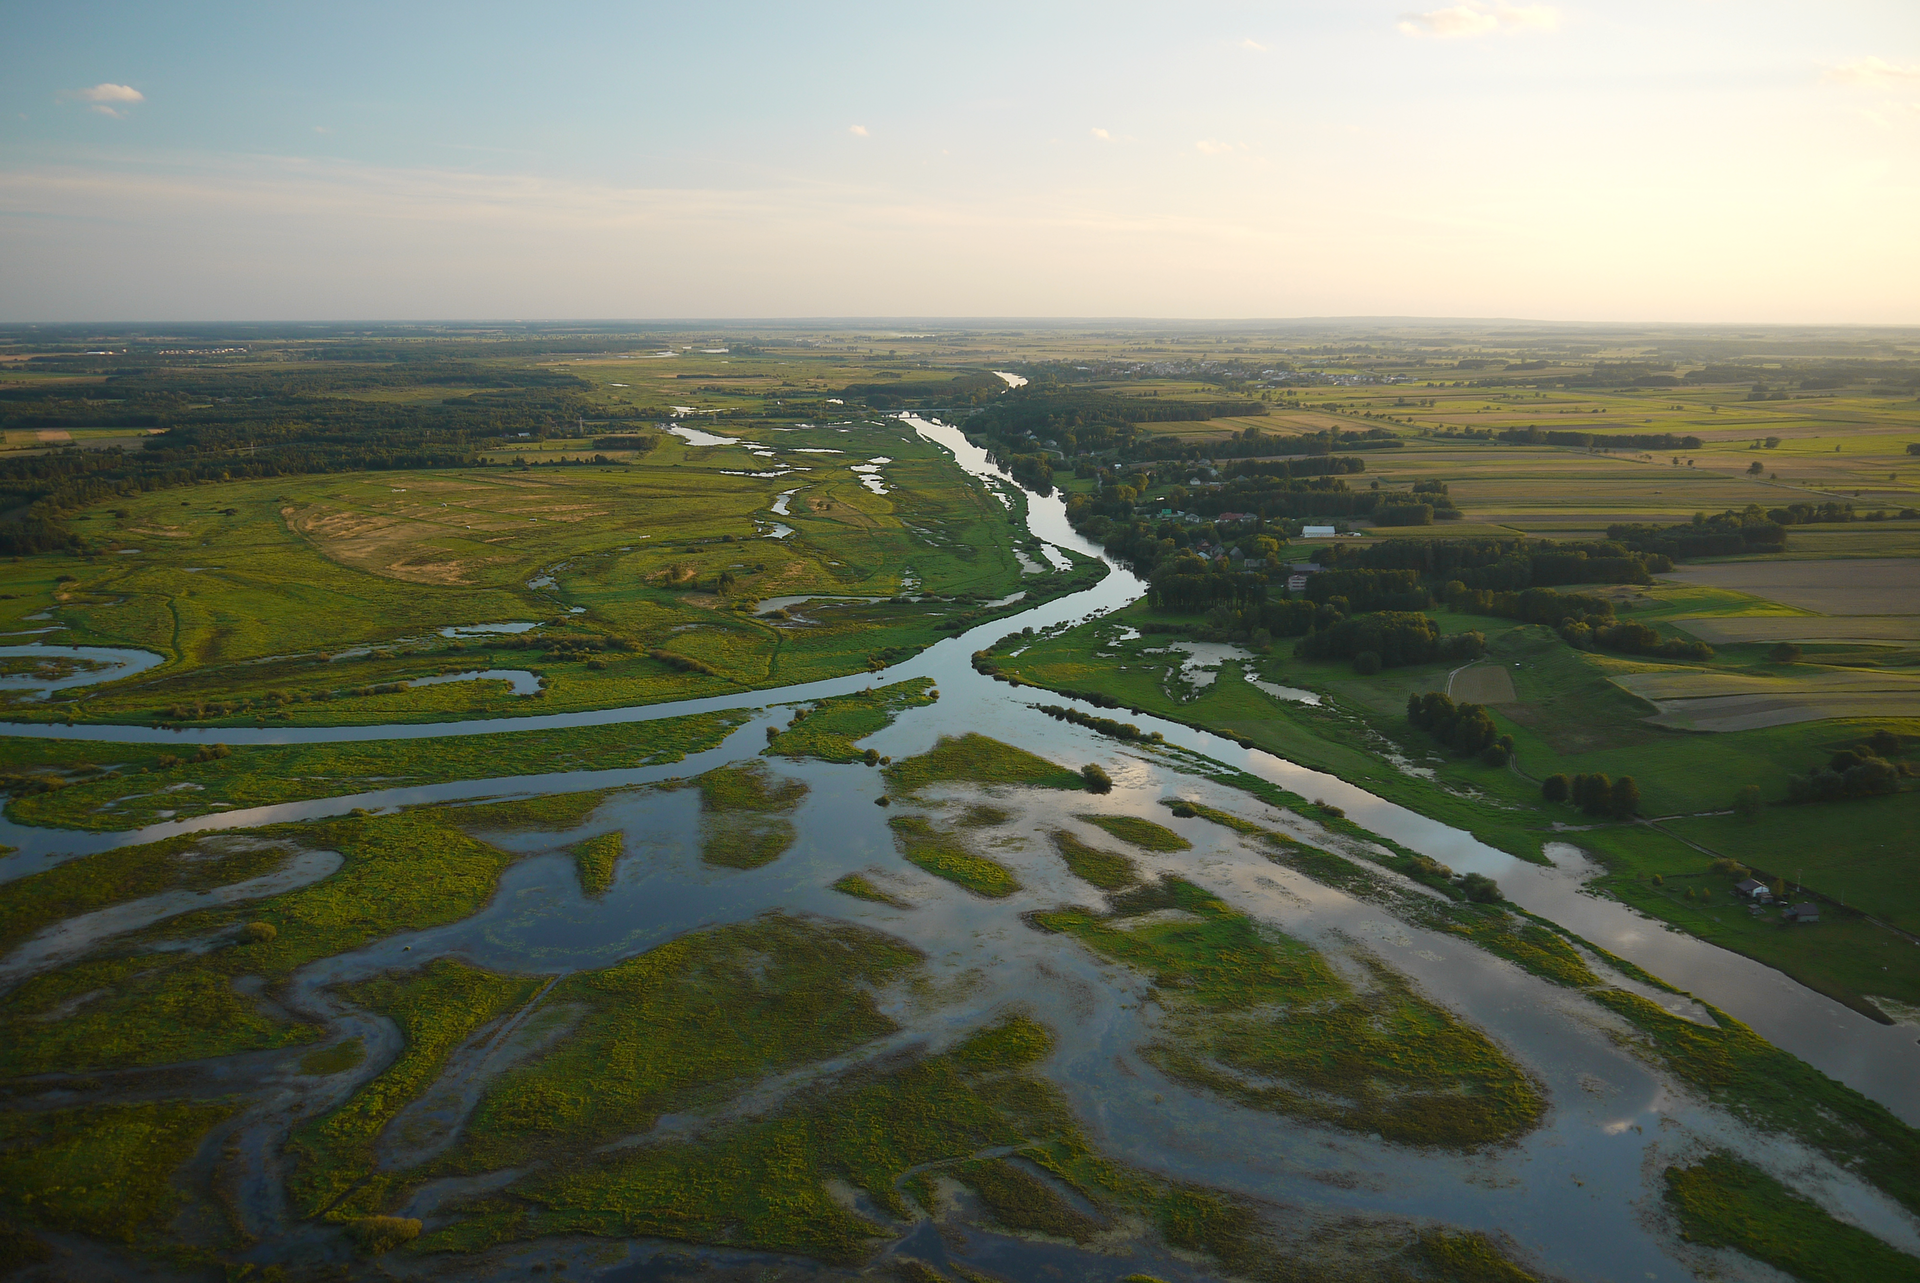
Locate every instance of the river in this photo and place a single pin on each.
(1597, 1138)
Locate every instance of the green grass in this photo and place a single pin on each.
(1724, 1202)
(744, 809)
(306, 566)
(942, 855)
(1264, 1020)
(758, 1183)
(862, 888)
(138, 786)
(1571, 720)
(595, 860)
(437, 1008)
(1844, 955)
(828, 730)
(338, 1058)
(1143, 833)
(105, 1171)
(1020, 1201)
(401, 872)
(1107, 870)
(976, 759)
(39, 900)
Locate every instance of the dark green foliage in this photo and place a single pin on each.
(1481, 889)
(1636, 639)
(1096, 778)
(1556, 788)
(1105, 725)
(1465, 728)
(1397, 637)
(1599, 795)
(1852, 772)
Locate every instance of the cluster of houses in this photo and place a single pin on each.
(1762, 894)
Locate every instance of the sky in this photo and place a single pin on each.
(1746, 161)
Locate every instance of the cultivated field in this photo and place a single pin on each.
(1881, 586)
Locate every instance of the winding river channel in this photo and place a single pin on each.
(1571, 1192)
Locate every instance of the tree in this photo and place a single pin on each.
(1746, 803)
(1554, 788)
(1096, 779)
(1755, 468)
(1784, 653)
(1626, 796)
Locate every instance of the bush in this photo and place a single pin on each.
(1554, 788)
(1097, 780)
(1746, 803)
(1481, 889)
(1851, 773)
(1784, 653)
(384, 1233)
(211, 752)
(259, 933)
(1366, 663)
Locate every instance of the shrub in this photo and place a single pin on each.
(1554, 788)
(1784, 653)
(1097, 780)
(1746, 802)
(1366, 663)
(1850, 774)
(384, 1233)
(259, 933)
(1481, 889)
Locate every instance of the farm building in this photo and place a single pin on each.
(1316, 532)
(1802, 913)
(1755, 889)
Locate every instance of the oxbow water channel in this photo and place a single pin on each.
(1608, 1108)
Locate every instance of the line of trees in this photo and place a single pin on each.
(1389, 639)
(1595, 794)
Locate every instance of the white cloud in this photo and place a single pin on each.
(858, 131)
(1248, 42)
(1476, 19)
(1102, 135)
(1872, 72)
(1213, 147)
(106, 93)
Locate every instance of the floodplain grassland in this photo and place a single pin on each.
(827, 730)
(1263, 1019)
(137, 1002)
(1569, 717)
(312, 600)
(745, 815)
(1107, 870)
(974, 758)
(1722, 1201)
(946, 855)
(103, 1171)
(103, 786)
(436, 1008)
(682, 1027)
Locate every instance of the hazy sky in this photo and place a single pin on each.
(1713, 160)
